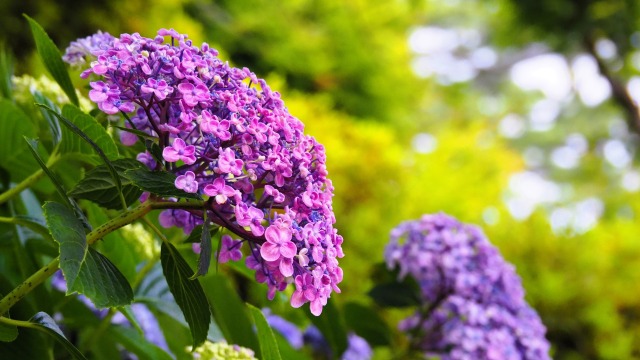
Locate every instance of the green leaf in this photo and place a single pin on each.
(204, 259)
(87, 129)
(68, 231)
(158, 182)
(268, 344)
(54, 125)
(43, 322)
(8, 333)
(99, 187)
(52, 59)
(6, 72)
(229, 312)
(136, 343)
(367, 323)
(102, 282)
(188, 293)
(395, 294)
(14, 153)
(90, 131)
(120, 247)
(331, 325)
(130, 316)
(154, 292)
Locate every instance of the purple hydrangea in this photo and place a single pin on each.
(80, 50)
(228, 137)
(474, 305)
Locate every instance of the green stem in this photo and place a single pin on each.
(32, 179)
(14, 322)
(23, 289)
(123, 219)
(7, 195)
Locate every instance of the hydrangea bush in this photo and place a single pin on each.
(473, 304)
(168, 159)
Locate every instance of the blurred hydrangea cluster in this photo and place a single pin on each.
(222, 351)
(474, 305)
(228, 137)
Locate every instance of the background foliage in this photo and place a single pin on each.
(401, 142)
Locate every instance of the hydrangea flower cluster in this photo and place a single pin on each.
(228, 137)
(82, 49)
(221, 351)
(474, 305)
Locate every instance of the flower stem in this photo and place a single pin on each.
(8, 321)
(32, 179)
(7, 195)
(23, 289)
(123, 219)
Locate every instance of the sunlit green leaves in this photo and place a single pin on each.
(52, 59)
(14, 154)
(94, 132)
(188, 294)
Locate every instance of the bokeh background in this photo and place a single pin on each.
(517, 115)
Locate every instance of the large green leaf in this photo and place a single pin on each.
(99, 187)
(231, 315)
(102, 282)
(43, 322)
(88, 125)
(68, 231)
(154, 292)
(268, 344)
(158, 182)
(52, 59)
(331, 325)
(188, 293)
(14, 153)
(367, 323)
